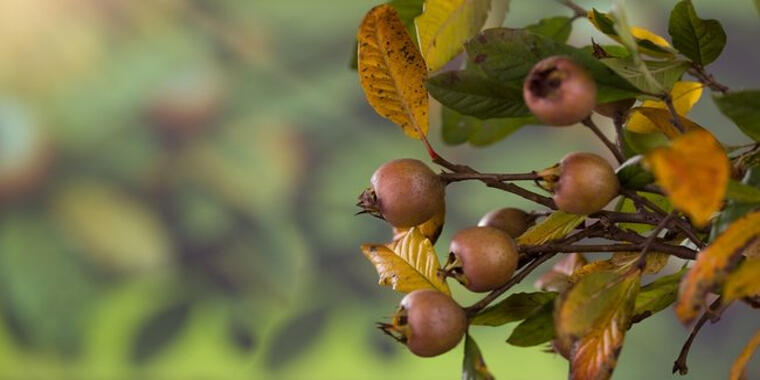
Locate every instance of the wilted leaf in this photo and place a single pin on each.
(392, 71)
(473, 365)
(684, 95)
(516, 307)
(557, 28)
(538, 328)
(457, 128)
(445, 25)
(657, 295)
(712, 263)
(741, 107)
(737, 369)
(666, 73)
(558, 278)
(693, 171)
(648, 42)
(431, 228)
(593, 317)
(408, 264)
(700, 40)
(471, 93)
(407, 10)
(743, 282)
(555, 226)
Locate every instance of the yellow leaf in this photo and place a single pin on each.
(646, 34)
(638, 33)
(556, 226)
(684, 94)
(743, 282)
(662, 121)
(431, 228)
(737, 370)
(407, 264)
(392, 71)
(445, 25)
(693, 171)
(712, 263)
(655, 261)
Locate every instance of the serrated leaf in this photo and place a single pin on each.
(657, 295)
(712, 264)
(473, 94)
(445, 25)
(538, 328)
(430, 228)
(647, 41)
(457, 128)
(666, 73)
(473, 365)
(507, 56)
(684, 95)
(408, 264)
(742, 108)
(555, 226)
(740, 192)
(593, 317)
(743, 282)
(693, 172)
(632, 174)
(737, 369)
(700, 40)
(516, 307)
(392, 72)
(557, 28)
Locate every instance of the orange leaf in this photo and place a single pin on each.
(392, 71)
(693, 171)
(431, 228)
(712, 264)
(743, 282)
(737, 370)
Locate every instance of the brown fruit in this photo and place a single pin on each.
(586, 184)
(484, 258)
(428, 322)
(404, 192)
(511, 220)
(616, 109)
(559, 91)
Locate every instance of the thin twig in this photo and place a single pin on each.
(618, 121)
(676, 120)
(712, 313)
(612, 147)
(456, 177)
(577, 9)
(675, 250)
(707, 79)
(642, 260)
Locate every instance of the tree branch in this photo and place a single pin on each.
(614, 149)
(712, 314)
(456, 177)
(707, 79)
(676, 120)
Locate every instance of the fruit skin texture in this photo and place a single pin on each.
(488, 257)
(436, 323)
(586, 184)
(408, 192)
(511, 220)
(559, 91)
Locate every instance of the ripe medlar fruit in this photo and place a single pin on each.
(511, 220)
(586, 183)
(404, 192)
(559, 91)
(482, 258)
(428, 322)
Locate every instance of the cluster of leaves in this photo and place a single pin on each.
(673, 165)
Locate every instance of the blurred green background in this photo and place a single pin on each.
(177, 181)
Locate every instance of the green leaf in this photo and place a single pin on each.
(536, 329)
(557, 28)
(657, 295)
(516, 307)
(700, 40)
(639, 143)
(735, 209)
(742, 108)
(507, 56)
(627, 205)
(632, 174)
(555, 226)
(458, 128)
(472, 94)
(473, 365)
(159, 331)
(740, 192)
(666, 73)
(606, 25)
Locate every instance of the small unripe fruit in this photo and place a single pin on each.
(404, 192)
(428, 322)
(484, 257)
(586, 184)
(511, 220)
(559, 91)
(616, 109)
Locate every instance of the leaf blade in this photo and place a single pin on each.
(741, 107)
(516, 307)
(473, 365)
(556, 226)
(700, 40)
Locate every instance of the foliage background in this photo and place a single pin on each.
(231, 250)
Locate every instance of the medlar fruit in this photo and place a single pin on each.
(511, 220)
(559, 91)
(404, 192)
(428, 322)
(482, 258)
(585, 185)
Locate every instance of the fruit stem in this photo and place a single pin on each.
(611, 146)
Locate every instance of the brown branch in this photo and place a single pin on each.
(676, 120)
(707, 79)
(456, 177)
(642, 260)
(678, 251)
(577, 9)
(618, 121)
(614, 149)
(712, 314)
